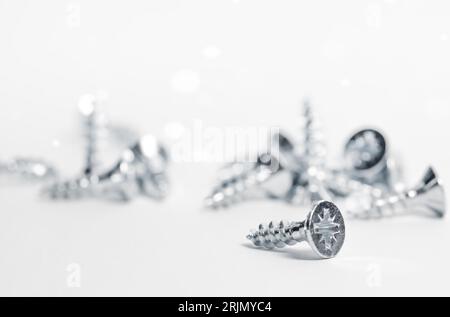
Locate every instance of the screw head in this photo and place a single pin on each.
(325, 229)
(365, 150)
(429, 194)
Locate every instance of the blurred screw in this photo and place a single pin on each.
(368, 160)
(96, 127)
(309, 184)
(91, 126)
(428, 196)
(141, 170)
(368, 170)
(29, 169)
(272, 176)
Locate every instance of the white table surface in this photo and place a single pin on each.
(223, 63)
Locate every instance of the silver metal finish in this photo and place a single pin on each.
(340, 184)
(315, 153)
(91, 126)
(96, 128)
(271, 176)
(266, 178)
(427, 197)
(315, 150)
(323, 229)
(140, 170)
(369, 169)
(311, 175)
(368, 159)
(28, 169)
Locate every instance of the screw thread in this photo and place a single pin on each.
(383, 207)
(91, 147)
(277, 236)
(309, 186)
(234, 189)
(91, 134)
(313, 143)
(342, 185)
(69, 189)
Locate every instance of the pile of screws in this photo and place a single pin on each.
(369, 185)
(141, 169)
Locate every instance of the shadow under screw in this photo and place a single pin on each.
(292, 253)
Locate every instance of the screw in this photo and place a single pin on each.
(91, 125)
(368, 166)
(368, 160)
(141, 169)
(30, 169)
(95, 126)
(428, 195)
(272, 176)
(315, 151)
(323, 229)
(311, 175)
(368, 170)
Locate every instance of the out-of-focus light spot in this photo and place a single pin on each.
(149, 145)
(211, 52)
(444, 37)
(86, 104)
(186, 81)
(84, 183)
(127, 156)
(174, 130)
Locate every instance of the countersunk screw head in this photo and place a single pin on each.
(368, 160)
(365, 150)
(323, 229)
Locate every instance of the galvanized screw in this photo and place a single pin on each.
(323, 229)
(140, 170)
(428, 196)
(271, 176)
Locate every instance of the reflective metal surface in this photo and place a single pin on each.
(428, 198)
(142, 169)
(323, 229)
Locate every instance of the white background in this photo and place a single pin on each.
(226, 63)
